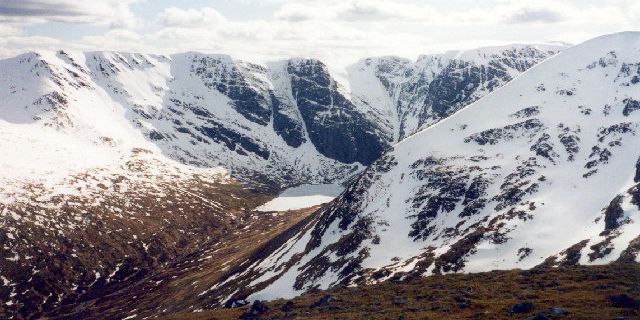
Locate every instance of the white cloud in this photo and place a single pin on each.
(543, 15)
(552, 12)
(176, 17)
(295, 12)
(385, 10)
(339, 31)
(17, 44)
(9, 30)
(354, 10)
(115, 13)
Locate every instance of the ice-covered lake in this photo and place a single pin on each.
(304, 196)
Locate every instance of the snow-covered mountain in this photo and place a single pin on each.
(283, 124)
(115, 164)
(544, 171)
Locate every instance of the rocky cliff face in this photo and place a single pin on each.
(212, 110)
(337, 128)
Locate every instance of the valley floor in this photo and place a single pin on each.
(183, 285)
(580, 292)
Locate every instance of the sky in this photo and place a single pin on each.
(337, 31)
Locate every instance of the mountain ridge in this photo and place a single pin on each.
(470, 195)
(235, 102)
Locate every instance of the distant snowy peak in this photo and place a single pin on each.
(485, 55)
(419, 94)
(543, 171)
(281, 124)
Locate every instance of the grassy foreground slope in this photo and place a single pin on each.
(577, 292)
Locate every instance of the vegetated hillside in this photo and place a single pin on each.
(576, 292)
(106, 231)
(543, 171)
(182, 284)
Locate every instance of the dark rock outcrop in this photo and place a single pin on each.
(334, 124)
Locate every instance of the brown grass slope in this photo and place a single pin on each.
(576, 292)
